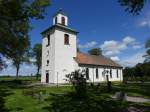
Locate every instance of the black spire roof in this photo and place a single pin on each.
(60, 11)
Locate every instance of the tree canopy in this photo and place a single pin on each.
(15, 16)
(147, 46)
(95, 51)
(133, 6)
(37, 54)
(18, 52)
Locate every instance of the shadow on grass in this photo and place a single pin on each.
(142, 89)
(94, 102)
(7, 88)
(3, 93)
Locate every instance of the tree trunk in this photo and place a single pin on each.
(37, 75)
(17, 71)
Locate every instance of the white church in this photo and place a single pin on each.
(60, 56)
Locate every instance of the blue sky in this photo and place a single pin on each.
(100, 23)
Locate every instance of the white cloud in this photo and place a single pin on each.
(88, 44)
(112, 47)
(128, 40)
(25, 69)
(137, 46)
(145, 21)
(115, 58)
(133, 59)
(110, 53)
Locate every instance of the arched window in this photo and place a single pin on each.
(56, 20)
(63, 21)
(97, 73)
(66, 39)
(47, 62)
(48, 40)
(117, 73)
(87, 73)
(110, 73)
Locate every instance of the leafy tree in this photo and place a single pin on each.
(133, 6)
(78, 50)
(37, 54)
(129, 72)
(147, 46)
(18, 52)
(138, 70)
(15, 16)
(2, 64)
(78, 80)
(95, 51)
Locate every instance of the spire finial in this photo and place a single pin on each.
(60, 9)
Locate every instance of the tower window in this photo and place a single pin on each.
(66, 39)
(97, 73)
(63, 21)
(48, 40)
(56, 20)
(47, 62)
(87, 73)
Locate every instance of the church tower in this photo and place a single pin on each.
(58, 50)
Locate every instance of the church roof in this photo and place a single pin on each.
(59, 26)
(86, 59)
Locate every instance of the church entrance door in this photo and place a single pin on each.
(47, 77)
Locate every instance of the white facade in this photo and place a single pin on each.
(101, 77)
(58, 57)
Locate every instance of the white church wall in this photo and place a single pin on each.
(101, 77)
(64, 61)
(48, 54)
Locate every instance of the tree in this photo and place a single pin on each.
(78, 80)
(15, 16)
(95, 51)
(2, 64)
(147, 46)
(133, 6)
(18, 52)
(78, 49)
(37, 54)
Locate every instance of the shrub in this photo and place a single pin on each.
(78, 80)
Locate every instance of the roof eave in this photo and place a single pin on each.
(61, 27)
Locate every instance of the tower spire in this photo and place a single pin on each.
(60, 18)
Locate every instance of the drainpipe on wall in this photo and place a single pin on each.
(93, 75)
(57, 79)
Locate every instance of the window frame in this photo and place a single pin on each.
(48, 40)
(111, 73)
(117, 73)
(97, 75)
(66, 39)
(47, 63)
(63, 21)
(87, 73)
(56, 20)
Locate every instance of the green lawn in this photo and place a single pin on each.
(14, 99)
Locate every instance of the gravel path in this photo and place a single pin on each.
(134, 99)
(137, 99)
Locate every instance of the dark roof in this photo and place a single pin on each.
(86, 59)
(60, 12)
(59, 26)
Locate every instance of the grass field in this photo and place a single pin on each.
(14, 99)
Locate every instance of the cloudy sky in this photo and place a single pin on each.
(100, 23)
